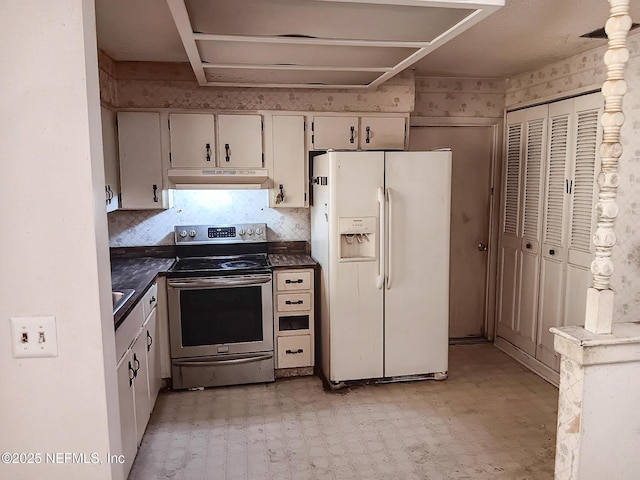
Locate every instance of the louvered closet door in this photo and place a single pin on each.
(510, 229)
(583, 197)
(533, 176)
(519, 247)
(555, 210)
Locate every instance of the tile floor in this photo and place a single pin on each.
(491, 419)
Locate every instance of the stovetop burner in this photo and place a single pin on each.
(211, 250)
(222, 264)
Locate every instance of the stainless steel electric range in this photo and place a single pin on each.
(220, 306)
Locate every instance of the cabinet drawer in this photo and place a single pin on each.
(293, 302)
(293, 280)
(149, 300)
(294, 351)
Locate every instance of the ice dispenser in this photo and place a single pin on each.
(358, 238)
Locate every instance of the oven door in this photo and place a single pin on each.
(220, 315)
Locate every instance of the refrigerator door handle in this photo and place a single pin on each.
(381, 259)
(388, 254)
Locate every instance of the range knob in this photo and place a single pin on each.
(241, 231)
(192, 233)
(250, 231)
(183, 233)
(259, 231)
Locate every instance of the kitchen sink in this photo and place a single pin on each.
(120, 297)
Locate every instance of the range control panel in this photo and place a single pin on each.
(211, 234)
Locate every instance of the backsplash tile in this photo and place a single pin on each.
(207, 207)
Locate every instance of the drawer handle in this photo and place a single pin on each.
(293, 281)
(153, 299)
(297, 302)
(294, 352)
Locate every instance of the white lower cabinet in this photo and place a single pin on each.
(138, 371)
(127, 411)
(293, 313)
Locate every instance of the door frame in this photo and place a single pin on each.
(496, 124)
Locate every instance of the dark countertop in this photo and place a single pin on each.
(137, 274)
(291, 260)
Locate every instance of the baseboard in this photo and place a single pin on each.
(528, 361)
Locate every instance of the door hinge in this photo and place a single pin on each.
(305, 196)
(313, 127)
(261, 125)
(169, 157)
(169, 123)
(304, 126)
(263, 159)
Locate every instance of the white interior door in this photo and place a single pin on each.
(472, 148)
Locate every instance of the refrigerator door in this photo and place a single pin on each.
(416, 325)
(356, 298)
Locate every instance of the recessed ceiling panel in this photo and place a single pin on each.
(255, 53)
(263, 77)
(343, 20)
(312, 42)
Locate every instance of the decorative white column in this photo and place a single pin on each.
(598, 416)
(599, 312)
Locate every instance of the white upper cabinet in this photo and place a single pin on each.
(344, 132)
(192, 139)
(110, 152)
(335, 132)
(382, 133)
(288, 161)
(139, 146)
(240, 141)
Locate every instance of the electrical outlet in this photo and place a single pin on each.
(34, 337)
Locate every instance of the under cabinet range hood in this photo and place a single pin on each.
(218, 178)
(344, 44)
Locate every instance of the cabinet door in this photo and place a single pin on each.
(140, 385)
(125, 374)
(338, 133)
(192, 140)
(140, 160)
(289, 170)
(153, 357)
(382, 133)
(110, 152)
(240, 141)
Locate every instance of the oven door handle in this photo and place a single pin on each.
(219, 282)
(201, 363)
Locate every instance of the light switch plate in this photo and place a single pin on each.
(34, 337)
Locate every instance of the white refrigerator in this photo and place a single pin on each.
(380, 225)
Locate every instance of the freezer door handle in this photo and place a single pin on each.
(381, 260)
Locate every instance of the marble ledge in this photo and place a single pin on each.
(586, 348)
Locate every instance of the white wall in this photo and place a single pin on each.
(54, 242)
